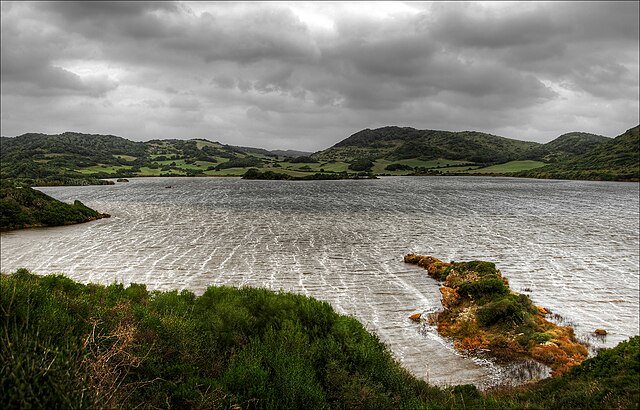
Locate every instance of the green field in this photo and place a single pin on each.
(180, 167)
(110, 169)
(508, 167)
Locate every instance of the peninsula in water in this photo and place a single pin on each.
(482, 314)
(24, 207)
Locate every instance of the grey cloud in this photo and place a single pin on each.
(28, 61)
(185, 103)
(150, 32)
(53, 80)
(256, 70)
(92, 10)
(586, 46)
(403, 56)
(470, 25)
(598, 79)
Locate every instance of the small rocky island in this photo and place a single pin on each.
(481, 314)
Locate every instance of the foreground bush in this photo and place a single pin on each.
(69, 345)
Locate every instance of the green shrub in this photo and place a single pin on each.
(68, 345)
(484, 288)
(505, 309)
(482, 267)
(540, 337)
(361, 165)
(398, 167)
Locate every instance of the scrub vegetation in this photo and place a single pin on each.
(24, 207)
(615, 160)
(69, 345)
(482, 314)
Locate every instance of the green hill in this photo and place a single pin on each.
(68, 345)
(25, 207)
(79, 159)
(574, 143)
(398, 143)
(617, 159)
(76, 159)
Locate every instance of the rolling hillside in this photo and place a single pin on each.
(397, 143)
(80, 159)
(615, 160)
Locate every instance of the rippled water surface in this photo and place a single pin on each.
(571, 246)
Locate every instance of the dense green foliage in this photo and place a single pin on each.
(249, 161)
(26, 207)
(305, 159)
(81, 159)
(568, 145)
(69, 345)
(129, 347)
(39, 159)
(614, 160)
(361, 165)
(398, 167)
(395, 143)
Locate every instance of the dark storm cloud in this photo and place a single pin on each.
(305, 75)
(131, 19)
(471, 26)
(580, 45)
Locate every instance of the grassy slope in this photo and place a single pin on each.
(617, 159)
(65, 344)
(509, 167)
(575, 143)
(25, 207)
(396, 143)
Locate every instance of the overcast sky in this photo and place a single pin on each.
(296, 75)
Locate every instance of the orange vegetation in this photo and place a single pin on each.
(481, 313)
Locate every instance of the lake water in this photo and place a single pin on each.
(571, 246)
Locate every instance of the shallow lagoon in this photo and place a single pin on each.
(572, 246)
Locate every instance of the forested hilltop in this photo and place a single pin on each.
(78, 159)
(69, 345)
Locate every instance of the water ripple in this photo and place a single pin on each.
(572, 245)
